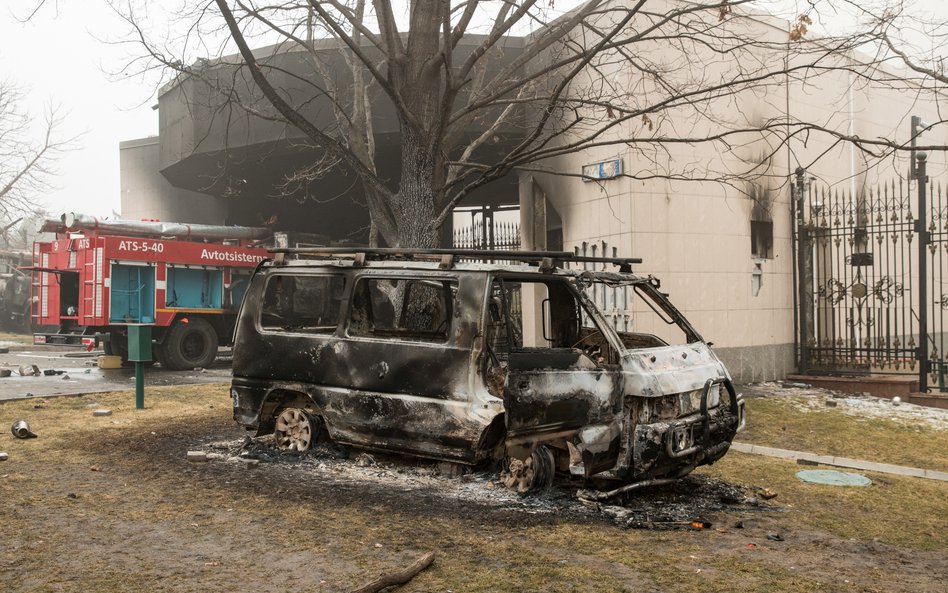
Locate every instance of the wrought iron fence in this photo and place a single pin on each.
(872, 277)
(495, 235)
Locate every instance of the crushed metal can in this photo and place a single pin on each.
(21, 430)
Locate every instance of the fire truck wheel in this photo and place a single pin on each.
(189, 345)
(116, 345)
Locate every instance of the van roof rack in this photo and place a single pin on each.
(545, 259)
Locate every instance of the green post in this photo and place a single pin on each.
(139, 385)
(139, 352)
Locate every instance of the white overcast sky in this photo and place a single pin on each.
(59, 58)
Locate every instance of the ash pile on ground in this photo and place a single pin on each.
(689, 503)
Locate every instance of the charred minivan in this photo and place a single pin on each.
(590, 371)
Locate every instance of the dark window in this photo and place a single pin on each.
(305, 304)
(762, 239)
(415, 309)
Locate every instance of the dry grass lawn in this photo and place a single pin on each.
(110, 504)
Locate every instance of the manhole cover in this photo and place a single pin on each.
(832, 477)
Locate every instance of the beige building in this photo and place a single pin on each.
(723, 249)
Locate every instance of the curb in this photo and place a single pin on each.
(883, 468)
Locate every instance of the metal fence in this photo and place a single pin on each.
(495, 235)
(871, 277)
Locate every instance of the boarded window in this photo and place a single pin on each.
(303, 304)
(408, 309)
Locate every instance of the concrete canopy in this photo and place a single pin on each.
(210, 144)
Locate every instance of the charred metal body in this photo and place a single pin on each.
(466, 362)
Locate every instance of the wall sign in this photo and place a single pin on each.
(609, 169)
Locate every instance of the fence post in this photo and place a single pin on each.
(921, 228)
(803, 296)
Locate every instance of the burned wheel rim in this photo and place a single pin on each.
(295, 430)
(533, 474)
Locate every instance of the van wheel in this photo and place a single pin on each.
(295, 430)
(531, 475)
(189, 345)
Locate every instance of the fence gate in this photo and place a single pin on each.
(870, 278)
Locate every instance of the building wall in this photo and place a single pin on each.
(696, 235)
(145, 193)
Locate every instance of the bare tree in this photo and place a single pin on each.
(28, 152)
(480, 89)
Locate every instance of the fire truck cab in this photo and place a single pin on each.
(96, 278)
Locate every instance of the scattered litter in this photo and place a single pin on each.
(248, 462)
(4, 349)
(102, 412)
(72, 496)
(739, 525)
(868, 408)
(796, 385)
(198, 369)
(39, 407)
(831, 403)
(28, 370)
(767, 494)
(775, 537)
(896, 400)
(4, 456)
(5, 372)
(751, 545)
(66, 377)
(51, 372)
(95, 468)
(197, 456)
(21, 430)
(832, 477)
(364, 460)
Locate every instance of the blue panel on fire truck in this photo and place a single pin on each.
(194, 288)
(132, 294)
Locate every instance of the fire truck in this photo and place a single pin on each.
(98, 277)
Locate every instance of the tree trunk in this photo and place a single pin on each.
(414, 206)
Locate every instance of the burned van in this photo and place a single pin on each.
(549, 361)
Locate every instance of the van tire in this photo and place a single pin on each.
(295, 429)
(188, 345)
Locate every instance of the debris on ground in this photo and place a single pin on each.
(51, 372)
(4, 456)
(864, 407)
(397, 578)
(767, 494)
(775, 537)
(21, 430)
(102, 412)
(197, 456)
(29, 370)
(682, 504)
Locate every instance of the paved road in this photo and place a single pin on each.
(85, 377)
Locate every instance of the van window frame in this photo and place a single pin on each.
(451, 313)
(342, 310)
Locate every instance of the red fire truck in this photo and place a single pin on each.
(186, 281)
